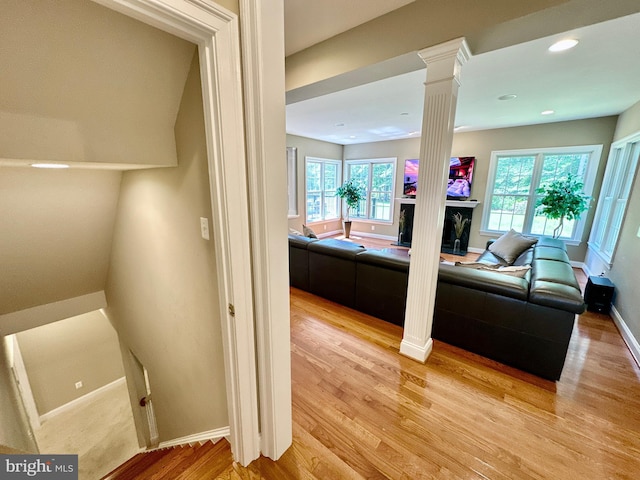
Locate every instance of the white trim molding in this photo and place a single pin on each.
(263, 66)
(213, 435)
(216, 32)
(627, 336)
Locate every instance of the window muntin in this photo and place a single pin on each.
(322, 178)
(614, 196)
(515, 177)
(376, 177)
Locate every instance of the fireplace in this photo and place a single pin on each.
(455, 234)
(459, 212)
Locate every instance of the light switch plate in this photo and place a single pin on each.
(204, 228)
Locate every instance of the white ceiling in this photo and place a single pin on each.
(599, 77)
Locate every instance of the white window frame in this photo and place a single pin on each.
(595, 154)
(292, 181)
(612, 206)
(323, 162)
(371, 161)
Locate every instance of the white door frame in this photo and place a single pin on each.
(216, 32)
(264, 100)
(22, 379)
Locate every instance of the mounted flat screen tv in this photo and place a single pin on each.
(459, 183)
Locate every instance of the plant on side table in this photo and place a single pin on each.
(563, 199)
(352, 195)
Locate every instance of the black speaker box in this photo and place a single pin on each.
(598, 294)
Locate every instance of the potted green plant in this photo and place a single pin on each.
(352, 195)
(562, 199)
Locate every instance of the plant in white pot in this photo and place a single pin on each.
(352, 195)
(563, 199)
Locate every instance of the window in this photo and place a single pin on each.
(514, 178)
(377, 179)
(612, 204)
(322, 180)
(292, 181)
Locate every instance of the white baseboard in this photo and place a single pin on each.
(374, 235)
(78, 401)
(475, 250)
(213, 435)
(328, 234)
(627, 336)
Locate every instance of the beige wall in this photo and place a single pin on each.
(14, 425)
(83, 83)
(481, 143)
(56, 234)
(624, 273)
(420, 24)
(307, 147)
(162, 284)
(83, 348)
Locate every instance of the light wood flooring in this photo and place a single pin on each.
(361, 410)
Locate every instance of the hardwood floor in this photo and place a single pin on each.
(361, 410)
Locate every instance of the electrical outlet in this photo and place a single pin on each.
(325, 227)
(373, 227)
(78, 385)
(204, 228)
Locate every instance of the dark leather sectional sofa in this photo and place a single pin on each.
(522, 322)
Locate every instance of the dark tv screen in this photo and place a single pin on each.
(458, 185)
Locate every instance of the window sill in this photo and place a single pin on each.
(569, 242)
(291, 217)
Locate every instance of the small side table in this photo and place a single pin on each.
(598, 294)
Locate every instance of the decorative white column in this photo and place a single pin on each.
(444, 63)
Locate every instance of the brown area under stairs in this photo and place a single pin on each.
(195, 462)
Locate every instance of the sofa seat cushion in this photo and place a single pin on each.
(542, 252)
(557, 295)
(554, 284)
(551, 242)
(554, 272)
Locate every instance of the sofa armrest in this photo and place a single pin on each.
(298, 241)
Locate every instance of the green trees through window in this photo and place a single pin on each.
(515, 178)
(377, 179)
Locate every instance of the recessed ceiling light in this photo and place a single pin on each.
(547, 112)
(352, 136)
(339, 124)
(50, 165)
(404, 113)
(509, 96)
(459, 127)
(414, 133)
(563, 45)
